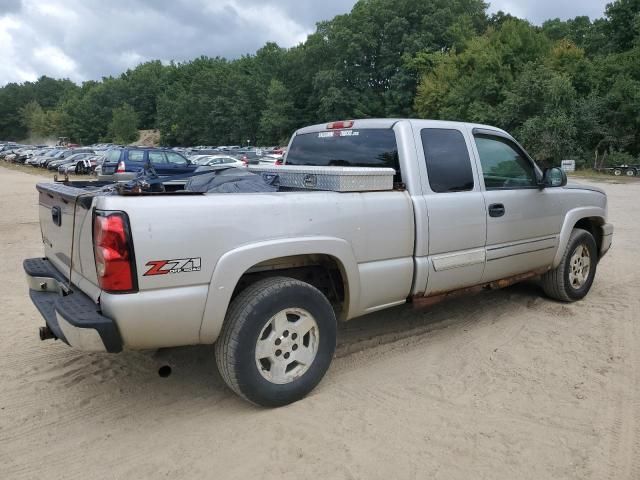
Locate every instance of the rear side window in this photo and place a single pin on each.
(448, 162)
(135, 155)
(375, 147)
(113, 155)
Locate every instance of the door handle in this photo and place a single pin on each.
(496, 210)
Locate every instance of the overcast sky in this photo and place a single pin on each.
(89, 39)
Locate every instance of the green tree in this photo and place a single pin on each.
(124, 124)
(34, 118)
(278, 118)
(622, 27)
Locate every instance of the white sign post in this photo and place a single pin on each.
(569, 165)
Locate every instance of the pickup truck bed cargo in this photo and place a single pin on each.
(265, 276)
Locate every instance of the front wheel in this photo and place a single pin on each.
(277, 341)
(571, 280)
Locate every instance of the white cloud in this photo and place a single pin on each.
(54, 59)
(89, 39)
(12, 66)
(540, 10)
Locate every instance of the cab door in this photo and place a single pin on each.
(455, 207)
(178, 164)
(159, 162)
(523, 220)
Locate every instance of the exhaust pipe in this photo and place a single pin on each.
(46, 333)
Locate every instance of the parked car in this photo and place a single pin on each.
(89, 165)
(71, 159)
(63, 154)
(211, 160)
(125, 163)
(70, 164)
(82, 166)
(266, 276)
(267, 160)
(36, 159)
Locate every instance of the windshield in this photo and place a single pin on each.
(375, 147)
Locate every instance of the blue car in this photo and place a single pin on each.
(124, 163)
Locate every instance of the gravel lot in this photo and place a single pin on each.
(505, 385)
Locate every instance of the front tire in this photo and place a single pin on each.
(571, 280)
(277, 342)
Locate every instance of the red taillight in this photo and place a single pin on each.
(337, 125)
(279, 162)
(112, 251)
(121, 167)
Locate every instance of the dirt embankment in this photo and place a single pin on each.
(505, 385)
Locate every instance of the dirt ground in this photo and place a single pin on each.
(504, 385)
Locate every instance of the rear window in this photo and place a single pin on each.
(374, 147)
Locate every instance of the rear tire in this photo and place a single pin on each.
(272, 320)
(571, 280)
(631, 172)
(617, 172)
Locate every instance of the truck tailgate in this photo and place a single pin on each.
(69, 249)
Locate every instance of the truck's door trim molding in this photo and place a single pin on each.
(459, 259)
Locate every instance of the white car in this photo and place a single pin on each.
(226, 160)
(270, 160)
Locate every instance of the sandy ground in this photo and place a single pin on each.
(505, 385)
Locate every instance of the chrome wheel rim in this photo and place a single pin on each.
(579, 267)
(287, 345)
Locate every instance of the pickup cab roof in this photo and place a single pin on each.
(391, 122)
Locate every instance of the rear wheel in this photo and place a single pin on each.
(631, 172)
(277, 341)
(617, 172)
(571, 280)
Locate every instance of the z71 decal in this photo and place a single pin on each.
(179, 265)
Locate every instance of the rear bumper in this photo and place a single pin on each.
(71, 315)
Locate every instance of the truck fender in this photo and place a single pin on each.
(570, 220)
(233, 264)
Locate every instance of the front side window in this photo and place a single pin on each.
(448, 162)
(504, 166)
(176, 159)
(157, 158)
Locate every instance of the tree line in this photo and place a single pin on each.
(566, 89)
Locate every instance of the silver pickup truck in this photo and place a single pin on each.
(266, 276)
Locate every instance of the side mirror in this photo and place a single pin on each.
(553, 177)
